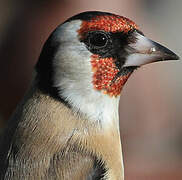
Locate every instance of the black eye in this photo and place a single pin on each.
(98, 39)
(98, 42)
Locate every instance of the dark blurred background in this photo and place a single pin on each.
(150, 107)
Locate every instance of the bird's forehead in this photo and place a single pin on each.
(108, 23)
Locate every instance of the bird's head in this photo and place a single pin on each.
(91, 56)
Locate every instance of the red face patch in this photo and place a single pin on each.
(105, 71)
(107, 23)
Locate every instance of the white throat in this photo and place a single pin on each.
(95, 105)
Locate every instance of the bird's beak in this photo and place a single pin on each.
(143, 51)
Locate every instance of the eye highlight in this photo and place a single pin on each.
(97, 39)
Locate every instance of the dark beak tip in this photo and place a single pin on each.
(166, 53)
(173, 57)
(177, 57)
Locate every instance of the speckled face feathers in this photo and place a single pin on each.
(108, 23)
(104, 75)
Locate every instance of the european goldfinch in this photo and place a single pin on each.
(67, 125)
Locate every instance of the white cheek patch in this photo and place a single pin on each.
(67, 32)
(72, 60)
(73, 77)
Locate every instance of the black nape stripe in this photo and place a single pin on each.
(44, 69)
(88, 15)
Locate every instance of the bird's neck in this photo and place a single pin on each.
(101, 109)
(50, 126)
(94, 128)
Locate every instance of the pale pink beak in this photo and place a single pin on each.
(145, 51)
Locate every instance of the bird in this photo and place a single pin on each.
(67, 125)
